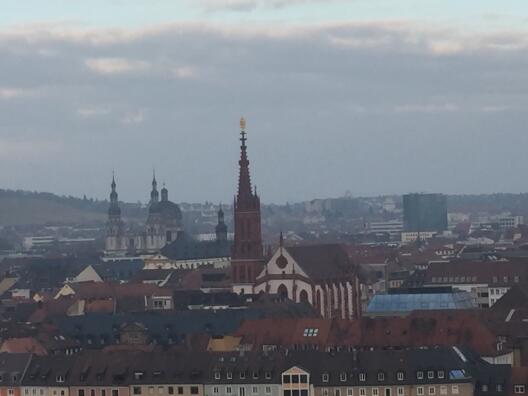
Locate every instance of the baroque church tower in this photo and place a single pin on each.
(247, 258)
(114, 225)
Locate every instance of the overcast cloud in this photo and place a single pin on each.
(368, 107)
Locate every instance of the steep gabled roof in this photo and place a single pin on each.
(321, 261)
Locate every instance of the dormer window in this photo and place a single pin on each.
(138, 375)
(342, 377)
(440, 374)
(326, 377)
(59, 378)
(242, 375)
(255, 374)
(217, 375)
(381, 376)
(430, 374)
(362, 377)
(229, 375)
(419, 375)
(400, 376)
(268, 374)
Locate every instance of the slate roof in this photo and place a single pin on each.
(187, 248)
(321, 261)
(12, 367)
(103, 329)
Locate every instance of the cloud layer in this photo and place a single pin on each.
(366, 107)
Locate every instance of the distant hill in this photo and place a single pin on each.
(23, 207)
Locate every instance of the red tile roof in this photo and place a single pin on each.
(23, 345)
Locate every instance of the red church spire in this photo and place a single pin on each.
(246, 255)
(244, 180)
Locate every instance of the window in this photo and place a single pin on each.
(229, 390)
(295, 379)
(443, 389)
(375, 392)
(268, 390)
(420, 391)
(400, 391)
(217, 375)
(431, 390)
(304, 392)
(337, 392)
(115, 392)
(180, 390)
(454, 389)
(362, 377)
(381, 376)
(516, 278)
(80, 392)
(242, 375)
(255, 374)
(430, 374)
(440, 374)
(194, 390)
(419, 374)
(59, 378)
(342, 377)
(254, 390)
(310, 332)
(350, 391)
(499, 387)
(400, 376)
(10, 392)
(484, 388)
(151, 390)
(229, 375)
(325, 377)
(286, 379)
(136, 390)
(325, 392)
(519, 389)
(267, 374)
(171, 390)
(362, 392)
(160, 389)
(215, 390)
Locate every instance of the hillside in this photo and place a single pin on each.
(23, 208)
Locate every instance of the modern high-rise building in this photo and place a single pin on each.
(424, 212)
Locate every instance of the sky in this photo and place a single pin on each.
(368, 97)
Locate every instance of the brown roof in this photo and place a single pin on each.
(285, 332)
(23, 345)
(101, 290)
(421, 328)
(322, 261)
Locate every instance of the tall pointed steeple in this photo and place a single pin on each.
(247, 257)
(154, 195)
(114, 225)
(114, 208)
(244, 180)
(221, 228)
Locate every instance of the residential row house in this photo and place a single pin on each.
(411, 372)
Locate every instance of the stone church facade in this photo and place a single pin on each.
(163, 225)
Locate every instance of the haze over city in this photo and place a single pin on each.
(371, 97)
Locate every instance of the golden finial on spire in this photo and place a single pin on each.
(242, 123)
